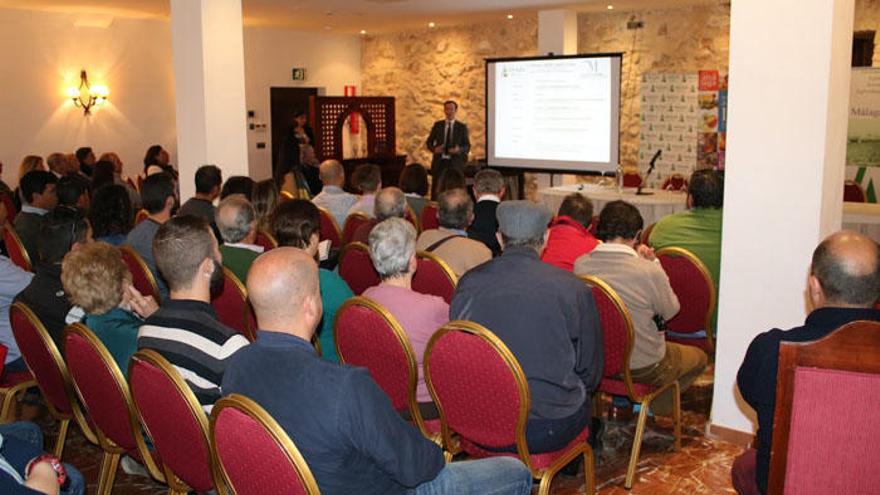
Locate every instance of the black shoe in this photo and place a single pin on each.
(597, 431)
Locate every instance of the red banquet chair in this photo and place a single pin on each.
(266, 240)
(254, 454)
(675, 182)
(818, 446)
(617, 329)
(632, 179)
(646, 234)
(853, 192)
(692, 284)
(356, 268)
(410, 216)
(483, 396)
(330, 229)
(140, 216)
(368, 336)
(17, 253)
(105, 395)
(175, 422)
(352, 223)
(12, 385)
(429, 216)
(141, 277)
(433, 276)
(50, 372)
(231, 305)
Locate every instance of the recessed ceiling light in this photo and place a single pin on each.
(610, 7)
(510, 16)
(431, 24)
(363, 31)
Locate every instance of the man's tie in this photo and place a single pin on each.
(447, 141)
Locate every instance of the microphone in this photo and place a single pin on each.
(648, 173)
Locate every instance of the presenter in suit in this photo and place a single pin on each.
(449, 143)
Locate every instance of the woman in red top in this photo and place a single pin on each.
(569, 235)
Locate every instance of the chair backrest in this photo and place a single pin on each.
(285, 196)
(17, 253)
(329, 228)
(646, 234)
(478, 387)
(617, 327)
(675, 182)
(433, 276)
(410, 216)
(141, 215)
(594, 224)
(853, 192)
(105, 395)
(356, 267)
(692, 283)
(826, 437)
(141, 277)
(632, 179)
(368, 336)
(429, 218)
(254, 454)
(352, 222)
(174, 420)
(11, 210)
(231, 304)
(266, 240)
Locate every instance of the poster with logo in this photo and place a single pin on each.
(668, 120)
(863, 136)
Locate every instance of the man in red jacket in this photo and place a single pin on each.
(569, 237)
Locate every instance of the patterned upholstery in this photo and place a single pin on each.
(429, 216)
(691, 282)
(853, 192)
(231, 303)
(329, 229)
(141, 276)
(632, 179)
(675, 182)
(265, 240)
(356, 268)
(352, 223)
(255, 454)
(434, 277)
(173, 418)
(614, 333)
(17, 253)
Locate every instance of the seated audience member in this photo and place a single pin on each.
(450, 242)
(641, 283)
(26, 469)
(451, 178)
(73, 166)
(390, 203)
(28, 164)
(332, 197)
(843, 286)
(185, 329)
(699, 228)
(102, 174)
(414, 183)
(265, 199)
(58, 164)
(73, 193)
(12, 281)
(208, 180)
(238, 184)
(344, 426)
(367, 179)
(85, 159)
(569, 238)
(96, 279)
(157, 194)
(110, 213)
(297, 224)
(393, 251)
(237, 223)
(155, 160)
(63, 231)
(120, 178)
(489, 189)
(39, 196)
(546, 317)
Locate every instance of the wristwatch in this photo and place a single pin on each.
(53, 461)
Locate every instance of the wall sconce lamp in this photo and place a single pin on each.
(86, 96)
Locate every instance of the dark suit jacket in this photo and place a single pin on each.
(459, 138)
(485, 225)
(27, 226)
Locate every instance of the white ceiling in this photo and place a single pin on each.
(351, 16)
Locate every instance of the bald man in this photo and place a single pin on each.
(332, 198)
(342, 423)
(390, 203)
(843, 286)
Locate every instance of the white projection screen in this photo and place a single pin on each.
(557, 114)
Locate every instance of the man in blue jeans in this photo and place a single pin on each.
(26, 470)
(339, 419)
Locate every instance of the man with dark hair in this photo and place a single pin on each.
(238, 184)
(64, 230)
(450, 242)
(390, 203)
(237, 222)
(489, 189)
(158, 198)
(208, 181)
(546, 316)
(449, 143)
(637, 277)
(39, 196)
(367, 178)
(73, 192)
(570, 237)
(332, 196)
(843, 286)
(699, 228)
(185, 329)
(86, 159)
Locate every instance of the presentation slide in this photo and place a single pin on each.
(560, 113)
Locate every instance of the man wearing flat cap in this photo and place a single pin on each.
(546, 316)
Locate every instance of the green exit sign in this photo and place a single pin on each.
(298, 73)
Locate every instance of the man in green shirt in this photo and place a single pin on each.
(237, 222)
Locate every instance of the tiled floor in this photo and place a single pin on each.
(702, 466)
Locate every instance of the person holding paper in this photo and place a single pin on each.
(449, 143)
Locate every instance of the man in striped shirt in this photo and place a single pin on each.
(185, 329)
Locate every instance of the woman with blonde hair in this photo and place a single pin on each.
(29, 164)
(265, 199)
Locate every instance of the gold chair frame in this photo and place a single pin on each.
(268, 423)
(450, 274)
(403, 339)
(268, 235)
(176, 486)
(7, 410)
(112, 451)
(713, 291)
(326, 213)
(546, 475)
(141, 215)
(410, 214)
(139, 261)
(10, 233)
(644, 400)
(76, 413)
(361, 216)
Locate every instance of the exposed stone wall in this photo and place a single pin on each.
(867, 18)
